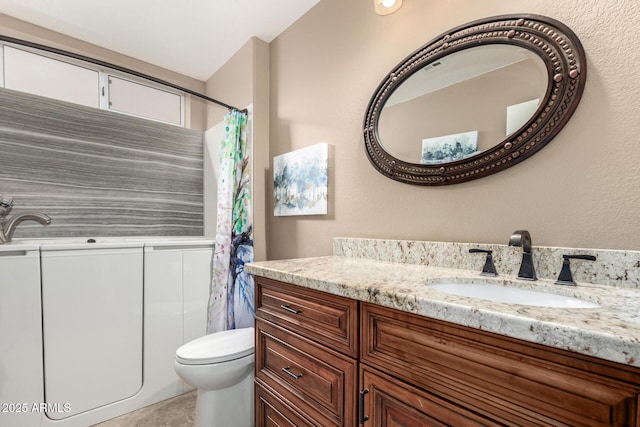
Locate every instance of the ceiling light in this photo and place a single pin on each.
(386, 7)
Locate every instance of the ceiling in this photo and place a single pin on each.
(191, 37)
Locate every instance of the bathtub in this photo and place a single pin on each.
(95, 324)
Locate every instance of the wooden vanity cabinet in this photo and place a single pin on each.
(388, 402)
(271, 411)
(306, 356)
(407, 370)
(508, 381)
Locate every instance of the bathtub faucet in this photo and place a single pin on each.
(8, 225)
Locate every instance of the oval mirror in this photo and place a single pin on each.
(474, 101)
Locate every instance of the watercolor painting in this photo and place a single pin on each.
(300, 181)
(449, 148)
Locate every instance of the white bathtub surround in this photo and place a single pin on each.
(21, 332)
(92, 325)
(396, 274)
(171, 311)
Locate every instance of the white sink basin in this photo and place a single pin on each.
(512, 295)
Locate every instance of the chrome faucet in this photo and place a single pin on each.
(8, 225)
(523, 238)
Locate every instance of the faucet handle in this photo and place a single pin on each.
(6, 203)
(489, 269)
(565, 277)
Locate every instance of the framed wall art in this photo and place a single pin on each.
(300, 181)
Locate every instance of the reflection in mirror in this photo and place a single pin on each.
(463, 104)
(475, 100)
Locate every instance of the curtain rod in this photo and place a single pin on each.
(116, 68)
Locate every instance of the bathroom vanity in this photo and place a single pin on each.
(346, 340)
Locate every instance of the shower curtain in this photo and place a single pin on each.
(231, 301)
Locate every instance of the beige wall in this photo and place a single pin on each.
(232, 83)
(582, 190)
(195, 108)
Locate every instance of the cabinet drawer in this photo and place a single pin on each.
(273, 412)
(317, 381)
(388, 402)
(507, 380)
(327, 319)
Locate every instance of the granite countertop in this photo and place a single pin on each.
(610, 332)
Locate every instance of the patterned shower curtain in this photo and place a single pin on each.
(231, 302)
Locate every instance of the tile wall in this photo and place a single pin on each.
(98, 173)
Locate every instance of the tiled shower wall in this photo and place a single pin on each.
(98, 173)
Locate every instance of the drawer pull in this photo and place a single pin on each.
(361, 414)
(287, 371)
(290, 310)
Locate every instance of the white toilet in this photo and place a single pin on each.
(220, 366)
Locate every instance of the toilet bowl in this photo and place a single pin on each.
(220, 366)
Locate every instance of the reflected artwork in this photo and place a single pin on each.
(449, 148)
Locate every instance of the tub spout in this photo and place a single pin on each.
(8, 226)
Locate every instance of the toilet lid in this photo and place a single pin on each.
(217, 347)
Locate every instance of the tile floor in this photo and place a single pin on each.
(176, 412)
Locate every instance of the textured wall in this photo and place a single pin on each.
(98, 173)
(581, 190)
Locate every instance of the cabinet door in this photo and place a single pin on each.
(313, 379)
(387, 402)
(273, 412)
(515, 382)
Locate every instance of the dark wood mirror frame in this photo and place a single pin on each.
(563, 55)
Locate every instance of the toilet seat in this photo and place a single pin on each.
(217, 347)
